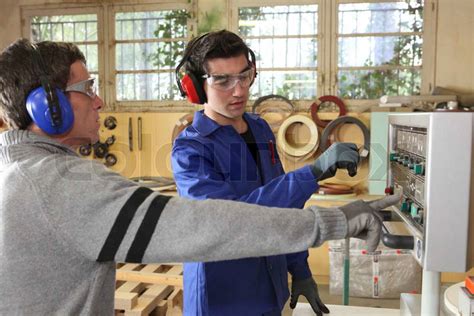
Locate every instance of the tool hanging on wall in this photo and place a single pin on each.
(110, 160)
(110, 140)
(110, 122)
(287, 108)
(139, 123)
(130, 134)
(335, 189)
(328, 132)
(181, 124)
(85, 150)
(100, 149)
(298, 152)
(326, 98)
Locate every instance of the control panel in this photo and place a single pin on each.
(431, 164)
(407, 164)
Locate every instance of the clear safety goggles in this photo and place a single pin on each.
(86, 87)
(225, 82)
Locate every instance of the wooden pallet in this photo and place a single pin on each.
(149, 289)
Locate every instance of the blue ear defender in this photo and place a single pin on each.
(48, 107)
(39, 108)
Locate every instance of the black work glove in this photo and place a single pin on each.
(364, 221)
(338, 156)
(309, 289)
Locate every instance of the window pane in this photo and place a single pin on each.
(64, 28)
(382, 50)
(286, 52)
(293, 84)
(77, 28)
(372, 84)
(151, 46)
(295, 47)
(360, 18)
(133, 87)
(91, 54)
(278, 20)
(148, 56)
(400, 52)
(151, 24)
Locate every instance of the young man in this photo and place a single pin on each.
(65, 221)
(229, 154)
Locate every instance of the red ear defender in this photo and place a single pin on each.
(193, 89)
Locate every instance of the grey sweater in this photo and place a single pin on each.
(65, 221)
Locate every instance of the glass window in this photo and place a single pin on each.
(80, 29)
(285, 41)
(379, 49)
(148, 46)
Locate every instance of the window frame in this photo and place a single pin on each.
(106, 45)
(28, 12)
(140, 105)
(327, 69)
(234, 26)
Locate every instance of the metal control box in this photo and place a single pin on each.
(431, 157)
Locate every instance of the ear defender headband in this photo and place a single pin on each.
(191, 85)
(48, 107)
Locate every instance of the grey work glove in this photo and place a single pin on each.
(363, 220)
(338, 156)
(309, 289)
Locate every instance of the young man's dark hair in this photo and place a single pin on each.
(196, 57)
(21, 74)
(219, 44)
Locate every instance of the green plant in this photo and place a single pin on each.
(372, 84)
(168, 53)
(210, 21)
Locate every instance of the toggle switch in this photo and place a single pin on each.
(413, 210)
(406, 160)
(406, 205)
(419, 168)
(393, 156)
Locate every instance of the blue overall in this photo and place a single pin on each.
(213, 161)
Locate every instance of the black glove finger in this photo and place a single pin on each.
(315, 306)
(352, 169)
(294, 300)
(321, 305)
(350, 165)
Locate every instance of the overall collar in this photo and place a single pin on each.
(206, 126)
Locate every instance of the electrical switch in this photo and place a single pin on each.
(413, 210)
(393, 156)
(406, 205)
(419, 168)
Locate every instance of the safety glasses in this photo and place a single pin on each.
(225, 82)
(86, 87)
